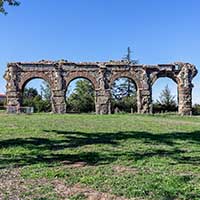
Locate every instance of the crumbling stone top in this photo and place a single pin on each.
(112, 65)
(108, 63)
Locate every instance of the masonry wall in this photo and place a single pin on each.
(101, 75)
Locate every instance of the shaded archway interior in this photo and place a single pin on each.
(102, 74)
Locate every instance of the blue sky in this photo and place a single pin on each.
(100, 30)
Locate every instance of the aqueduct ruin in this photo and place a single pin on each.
(101, 75)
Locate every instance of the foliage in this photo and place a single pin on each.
(123, 87)
(31, 98)
(126, 104)
(45, 91)
(82, 99)
(2, 105)
(10, 3)
(30, 93)
(196, 109)
(128, 58)
(166, 102)
(124, 96)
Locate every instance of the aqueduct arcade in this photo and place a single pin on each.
(101, 75)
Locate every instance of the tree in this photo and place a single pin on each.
(31, 98)
(82, 99)
(166, 97)
(196, 109)
(30, 93)
(123, 87)
(166, 101)
(45, 91)
(10, 3)
(124, 95)
(128, 58)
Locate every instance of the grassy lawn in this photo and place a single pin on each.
(44, 156)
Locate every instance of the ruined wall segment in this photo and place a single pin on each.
(186, 74)
(102, 75)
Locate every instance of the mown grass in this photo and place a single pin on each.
(134, 156)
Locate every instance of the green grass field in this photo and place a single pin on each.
(44, 156)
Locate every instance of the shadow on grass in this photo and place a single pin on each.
(44, 150)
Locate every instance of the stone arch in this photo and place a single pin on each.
(86, 75)
(156, 75)
(170, 82)
(125, 75)
(31, 76)
(80, 96)
(81, 75)
(171, 75)
(134, 79)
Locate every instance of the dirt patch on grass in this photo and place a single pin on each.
(69, 164)
(122, 169)
(10, 184)
(87, 193)
(14, 187)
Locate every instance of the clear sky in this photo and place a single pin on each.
(100, 30)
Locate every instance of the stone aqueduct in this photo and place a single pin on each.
(101, 75)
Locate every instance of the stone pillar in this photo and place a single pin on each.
(144, 103)
(144, 94)
(58, 92)
(58, 102)
(185, 76)
(102, 97)
(13, 96)
(185, 100)
(102, 102)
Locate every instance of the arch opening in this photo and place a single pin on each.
(165, 95)
(124, 96)
(80, 96)
(36, 93)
